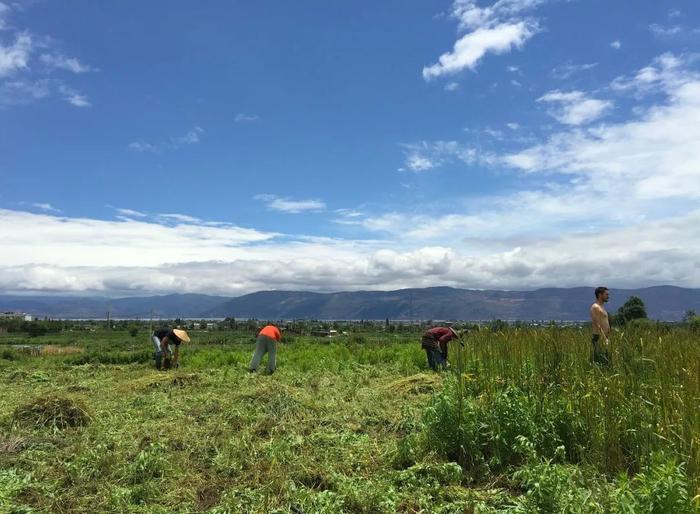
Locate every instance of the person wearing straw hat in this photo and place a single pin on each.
(266, 342)
(163, 341)
(434, 342)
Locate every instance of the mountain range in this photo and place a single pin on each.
(668, 303)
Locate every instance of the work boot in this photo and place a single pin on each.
(158, 356)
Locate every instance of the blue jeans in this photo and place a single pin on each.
(436, 360)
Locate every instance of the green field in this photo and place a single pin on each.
(356, 424)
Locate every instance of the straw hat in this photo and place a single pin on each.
(181, 335)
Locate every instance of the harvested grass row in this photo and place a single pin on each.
(52, 412)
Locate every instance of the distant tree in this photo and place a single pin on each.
(36, 328)
(689, 315)
(632, 309)
(498, 325)
(134, 331)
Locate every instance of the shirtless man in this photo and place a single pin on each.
(601, 326)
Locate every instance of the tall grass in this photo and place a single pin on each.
(540, 385)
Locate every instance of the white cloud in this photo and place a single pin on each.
(26, 76)
(16, 56)
(48, 253)
(574, 107)
(84, 241)
(426, 155)
(616, 44)
(131, 213)
(45, 207)
(73, 97)
(471, 47)
(664, 32)
(245, 118)
(416, 162)
(141, 146)
(22, 92)
(192, 137)
(61, 62)
(452, 86)
(666, 72)
(649, 158)
(513, 126)
(179, 218)
(565, 71)
(497, 28)
(277, 203)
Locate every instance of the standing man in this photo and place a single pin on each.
(163, 340)
(601, 327)
(434, 342)
(266, 342)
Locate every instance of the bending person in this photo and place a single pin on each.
(434, 342)
(266, 342)
(163, 340)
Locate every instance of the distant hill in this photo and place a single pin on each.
(663, 302)
(168, 306)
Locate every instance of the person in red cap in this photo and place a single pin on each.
(434, 342)
(266, 342)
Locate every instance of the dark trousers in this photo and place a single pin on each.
(436, 359)
(599, 354)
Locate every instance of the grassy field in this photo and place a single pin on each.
(522, 422)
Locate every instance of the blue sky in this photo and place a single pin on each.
(228, 147)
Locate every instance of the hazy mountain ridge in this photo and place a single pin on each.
(663, 302)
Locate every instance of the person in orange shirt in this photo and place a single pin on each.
(266, 342)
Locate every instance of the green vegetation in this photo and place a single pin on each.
(354, 424)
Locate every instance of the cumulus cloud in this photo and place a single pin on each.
(650, 157)
(497, 28)
(134, 257)
(574, 107)
(616, 45)
(470, 48)
(277, 203)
